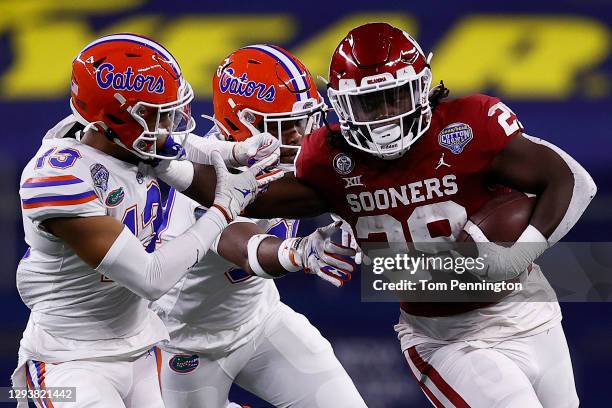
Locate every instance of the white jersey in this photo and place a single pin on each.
(77, 313)
(215, 308)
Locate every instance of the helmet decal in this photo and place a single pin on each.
(140, 40)
(242, 86)
(120, 81)
(296, 74)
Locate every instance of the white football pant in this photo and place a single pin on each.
(525, 372)
(287, 363)
(100, 384)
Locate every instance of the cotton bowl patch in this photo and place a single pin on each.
(99, 174)
(183, 363)
(455, 137)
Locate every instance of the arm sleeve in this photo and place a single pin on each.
(583, 192)
(150, 275)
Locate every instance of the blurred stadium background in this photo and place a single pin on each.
(548, 60)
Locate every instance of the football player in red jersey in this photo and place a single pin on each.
(403, 165)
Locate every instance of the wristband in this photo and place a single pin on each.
(530, 245)
(252, 247)
(287, 255)
(533, 235)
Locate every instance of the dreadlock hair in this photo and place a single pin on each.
(438, 93)
(334, 137)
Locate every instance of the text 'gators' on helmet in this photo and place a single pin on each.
(265, 88)
(131, 89)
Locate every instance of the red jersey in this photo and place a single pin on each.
(425, 196)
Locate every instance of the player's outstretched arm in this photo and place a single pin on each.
(180, 173)
(235, 154)
(283, 198)
(288, 198)
(112, 249)
(270, 257)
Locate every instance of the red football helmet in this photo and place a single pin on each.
(264, 88)
(379, 83)
(131, 89)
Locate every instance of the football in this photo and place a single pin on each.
(503, 219)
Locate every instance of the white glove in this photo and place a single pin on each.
(235, 191)
(349, 240)
(255, 148)
(317, 254)
(235, 154)
(504, 263)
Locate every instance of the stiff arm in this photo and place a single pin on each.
(287, 197)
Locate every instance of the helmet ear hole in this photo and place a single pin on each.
(110, 134)
(114, 119)
(99, 62)
(81, 104)
(231, 125)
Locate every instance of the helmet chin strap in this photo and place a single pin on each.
(394, 155)
(134, 152)
(92, 124)
(389, 132)
(382, 134)
(109, 133)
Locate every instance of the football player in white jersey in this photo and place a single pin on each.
(92, 212)
(226, 321)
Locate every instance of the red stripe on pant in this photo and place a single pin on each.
(427, 369)
(426, 390)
